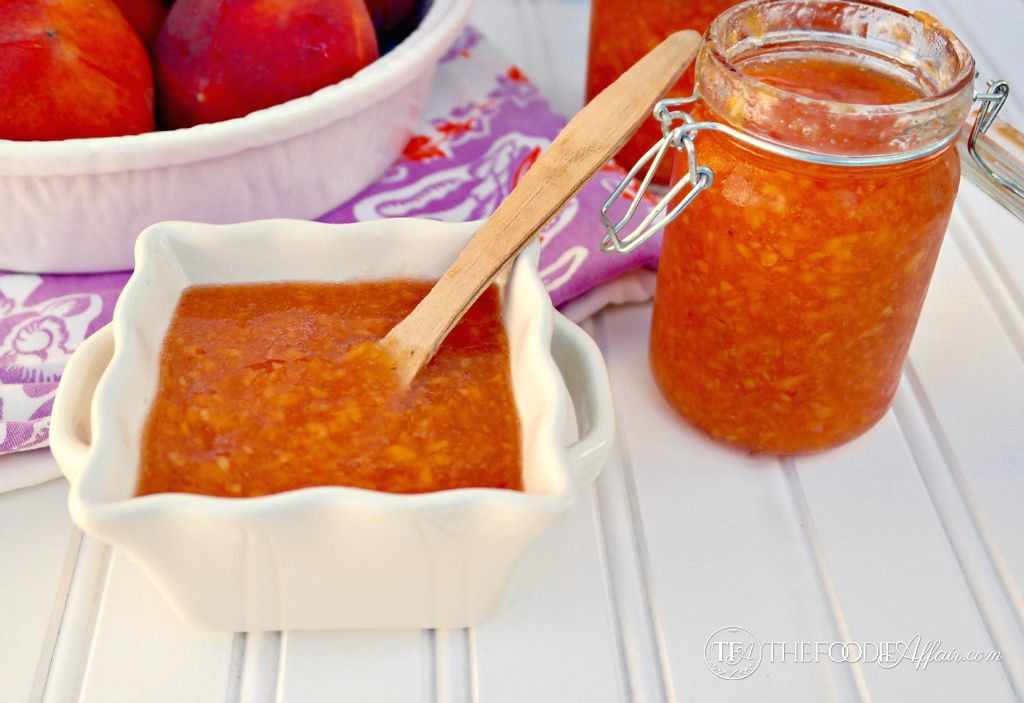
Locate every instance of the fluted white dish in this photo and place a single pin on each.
(77, 205)
(325, 557)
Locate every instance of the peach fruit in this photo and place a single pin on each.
(71, 68)
(219, 59)
(145, 17)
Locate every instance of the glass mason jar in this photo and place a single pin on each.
(622, 31)
(792, 278)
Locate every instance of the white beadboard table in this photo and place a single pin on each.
(915, 529)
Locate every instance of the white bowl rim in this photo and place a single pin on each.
(261, 127)
(93, 513)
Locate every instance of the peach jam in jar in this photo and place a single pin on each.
(622, 32)
(791, 281)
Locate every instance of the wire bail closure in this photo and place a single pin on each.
(990, 104)
(698, 178)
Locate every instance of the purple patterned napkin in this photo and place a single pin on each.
(483, 126)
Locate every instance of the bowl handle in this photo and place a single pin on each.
(582, 366)
(70, 424)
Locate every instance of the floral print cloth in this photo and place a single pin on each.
(483, 126)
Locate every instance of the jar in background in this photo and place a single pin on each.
(622, 32)
(791, 282)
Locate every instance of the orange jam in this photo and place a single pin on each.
(272, 387)
(788, 292)
(621, 32)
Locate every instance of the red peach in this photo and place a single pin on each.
(219, 59)
(145, 17)
(71, 68)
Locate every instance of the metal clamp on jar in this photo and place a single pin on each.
(801, 242)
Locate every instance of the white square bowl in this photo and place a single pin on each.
(324, 557)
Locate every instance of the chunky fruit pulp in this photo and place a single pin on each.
(623, 32)
(272, 387)
(788, 292)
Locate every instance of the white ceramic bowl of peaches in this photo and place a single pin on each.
(77, 205)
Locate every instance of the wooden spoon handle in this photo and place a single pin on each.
(592, 137)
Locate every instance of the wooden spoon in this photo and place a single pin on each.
(592, 137)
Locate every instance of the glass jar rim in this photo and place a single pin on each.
(913, 46)
(715, 40)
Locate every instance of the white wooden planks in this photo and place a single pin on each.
(63, 678)
(554, 639)
(37, 554)
(974, 560)
(647, 674)
(258, 668)
(725, 546)
(893, 568)
(142, 651)
(990, 239)
(356, 667)
(972, 381)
